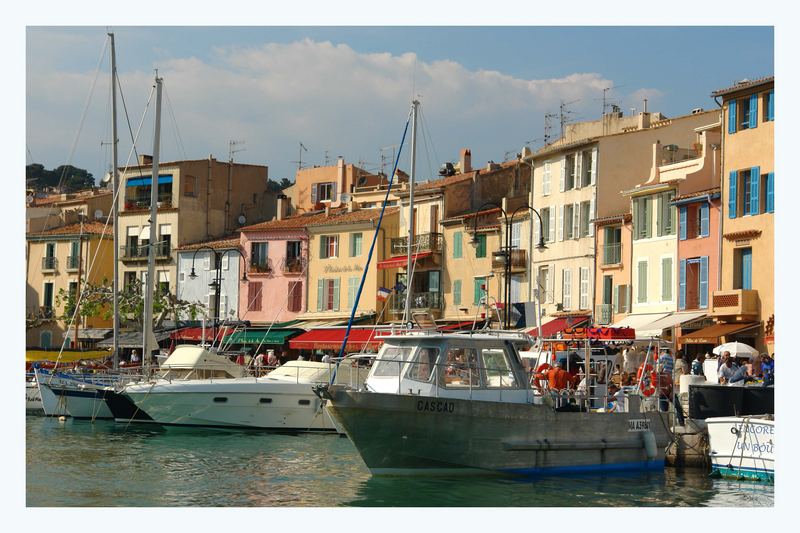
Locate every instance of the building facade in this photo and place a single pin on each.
(198, 267)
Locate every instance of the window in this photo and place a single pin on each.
(355, 244)
(480, 249)
(480, 286)
(423, 364)
(665, 217)
(566, 288)
(585, 216)
(516, 235)
(569, 176)
(164, 240)
(586, 168)
(461, 368)
(569, 215)
(546, 178)
(129, 279)
(254, 296)
(693, 283)
(769, 192)
(329, 246)
(47, 296)
(259, 256)
(642, 209)
(328, 294)
(498, 371)
(545, 212)
(743, 113)
(666, 279)
(743, 268)
(352, 289)
(457, 292)
(325, 192)
(292, 252)
(608, 289)
(390, 360)
(642, 282)
(612, 246)
(621, 297)
(189, 186)
(458, 245)
(584, 294)
(516, 289)
(693, 221)
(295, 296)
(543, 284)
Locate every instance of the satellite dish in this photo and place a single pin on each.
(345, 197)
(29, 199)
(98, 214)
(242, 220)
(106, 179)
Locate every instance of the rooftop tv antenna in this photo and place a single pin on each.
(300, 155)
(548, 127)
(564, 113)
(232, 149)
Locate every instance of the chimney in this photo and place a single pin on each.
(644, 120)
(280, 212)
(341, 177)
(145, 159)
(466, 160)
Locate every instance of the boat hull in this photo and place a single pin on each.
(406, 434)
(85, 403)
(233, 404)
(742, 447)
(52, 404)
(33, 398)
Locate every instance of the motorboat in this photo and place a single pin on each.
(742, 447)
(33, 397)
(282, 400)
(454, 403)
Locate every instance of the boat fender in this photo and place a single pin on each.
(649, 442)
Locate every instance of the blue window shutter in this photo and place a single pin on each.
(682, 222)
(704, 281)
(704, 220)
(682, 285)
(734, 177)
(747, 268)
(755, 187)
(771, 105)
(753, 110)
(770, 192)
(732, 117)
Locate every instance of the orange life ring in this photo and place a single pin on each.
(544, 367)
(648, 387)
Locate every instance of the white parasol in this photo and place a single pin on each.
(737, 349)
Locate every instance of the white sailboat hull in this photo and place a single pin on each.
(742, 447)
(261, 403)
(33, 398)
(52, 404)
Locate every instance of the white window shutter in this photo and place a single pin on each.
(536, 232)
(552, 235)
(225, 262)
(207, 262)
(546, 179)
(578, 166)
(576, 221)
(591, 217)
(551, 275)
(223, 307)
(563, 179)
(560, 229)
(593, 175)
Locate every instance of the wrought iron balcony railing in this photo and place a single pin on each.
(49, 263)
(419, 300)
(140, 252)
(72, 262)
(264, 267)
(293, 265)
(426, 242)
(612, 253)
(603, 314)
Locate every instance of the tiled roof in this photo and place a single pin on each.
(93, 227)
(449, 180)
(223, 243)
(77, 198)
(466, 216)
(696, 194)
(744, 234)
(622, 217)
(319, 218)
(744, 85)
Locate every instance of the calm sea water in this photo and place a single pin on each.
(79, 463)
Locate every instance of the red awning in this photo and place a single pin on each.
(192, 334)
(402, 260)
(331, 339)
(558, 325)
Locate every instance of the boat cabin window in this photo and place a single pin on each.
(390, 360)
(461, 368)
(423, 364)
(498, 370)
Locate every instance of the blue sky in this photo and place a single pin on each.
(347, 89)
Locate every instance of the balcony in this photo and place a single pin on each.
(672, 153)
(612, 254)
(140, 252)
(603, 314)
(263, 267)
(73, 262)
(426, 242)
(736, 302)
(419, 301)
(293, 265)
(49, 264)
(519, 261)
(141, 203)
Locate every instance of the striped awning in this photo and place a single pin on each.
(402, 260)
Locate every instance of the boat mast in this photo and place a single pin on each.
(411, 218)
(115, 209)
(148, 341)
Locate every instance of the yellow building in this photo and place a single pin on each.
(338, 245)
(55, 259)
(745, 305)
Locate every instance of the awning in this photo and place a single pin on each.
(711, 334)
(655, 328)
(557, 325)
(273, 336)
(94, 333)
(193, 334)
(331, 339)
(132, 339)
(66, 356)
(638, 322)
(147, 180)
(402, 260)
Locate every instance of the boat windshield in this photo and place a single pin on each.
(390, 360)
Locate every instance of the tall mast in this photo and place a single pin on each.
(115, 210)
(148, 343)
(411, 235)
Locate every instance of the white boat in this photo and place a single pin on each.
(283, 400)
(742, 447)
(52, 404)
(33, 397)
(83, 395)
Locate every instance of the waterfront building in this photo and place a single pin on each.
(743, 306)
(578, 179)
(63, 258)
(204, 263)
(43, 212)
(198, 200)
(614, 235)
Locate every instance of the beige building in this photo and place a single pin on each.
(745, 305)
(56, 210)
(198, 200)
(55, 259)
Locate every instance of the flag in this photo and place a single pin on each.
(383, 293)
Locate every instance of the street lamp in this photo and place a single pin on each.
(505, 254)
(216, 283)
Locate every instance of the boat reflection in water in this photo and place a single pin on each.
(448, 403)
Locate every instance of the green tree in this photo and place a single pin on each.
(75, 179)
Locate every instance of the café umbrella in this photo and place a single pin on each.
(736, 349)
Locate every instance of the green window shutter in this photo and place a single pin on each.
(661, 222)
(648, 217)
(320, 293)
(457, 292)
(336, 294)
(666, 279)
(642, 289)
(477, 282)
(480, 251)
(457, 244)
(323, 248)
(635, 209)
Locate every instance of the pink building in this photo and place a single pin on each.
(277, 259)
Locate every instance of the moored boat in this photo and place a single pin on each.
(742, 447)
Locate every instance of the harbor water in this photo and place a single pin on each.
(77, 463)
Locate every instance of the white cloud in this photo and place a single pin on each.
(327, 95)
